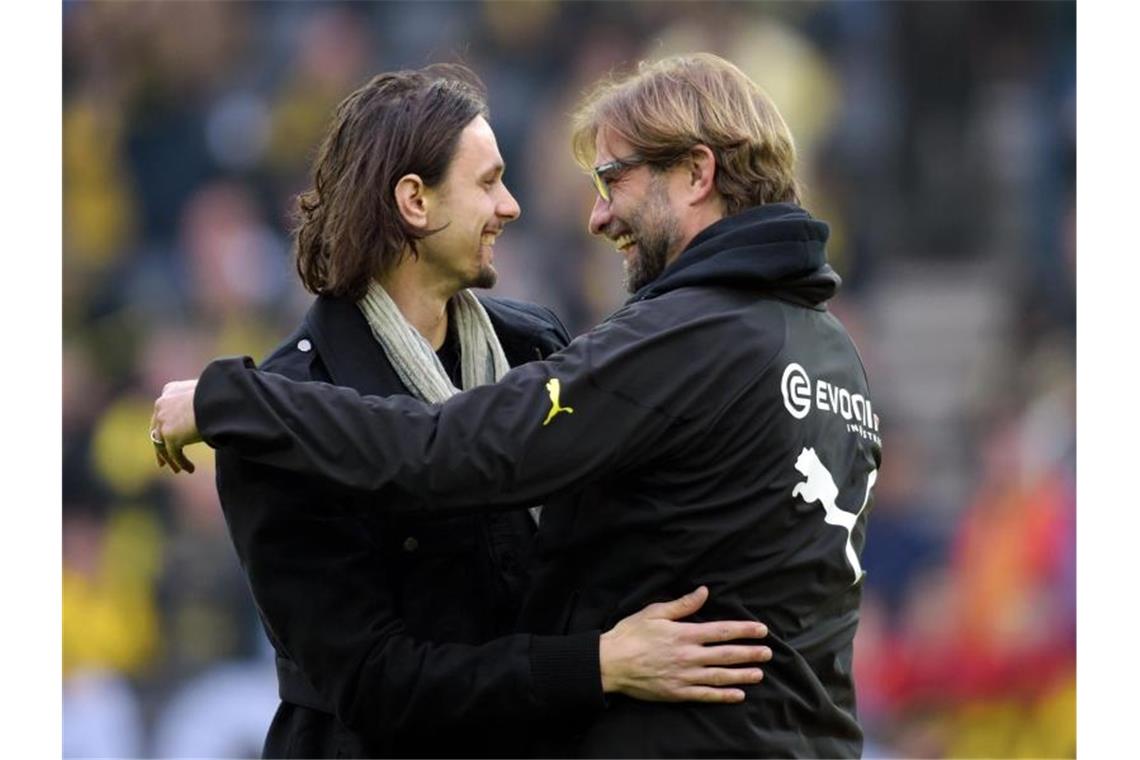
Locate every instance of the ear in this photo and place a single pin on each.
(411, 200)
(701, 178)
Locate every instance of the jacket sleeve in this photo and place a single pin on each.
(320, 584)
(584, 413)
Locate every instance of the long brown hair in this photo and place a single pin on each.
(349, 227)
(666, 108)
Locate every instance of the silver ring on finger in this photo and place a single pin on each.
(156, 438)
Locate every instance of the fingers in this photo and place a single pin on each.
(731, 655)
(679, 608)
(724, 630)
(714, 684)
(182, 459)
(151, 429)
(176, 458)
(160, 452)
(709, 694)
(168, 455)
(724, 676)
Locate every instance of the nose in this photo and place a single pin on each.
(508, 207)
(600, 216)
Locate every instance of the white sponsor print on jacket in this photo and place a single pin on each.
(796, 387)
(820, 486)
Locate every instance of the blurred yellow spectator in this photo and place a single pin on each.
(110, 620)
(97, 200)
(122, 453)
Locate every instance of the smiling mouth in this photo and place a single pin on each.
(625, 242)
(488, 239)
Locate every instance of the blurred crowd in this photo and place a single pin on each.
(937, 139)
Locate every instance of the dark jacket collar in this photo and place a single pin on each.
(355, 359)
(776, 248)
(348, 349)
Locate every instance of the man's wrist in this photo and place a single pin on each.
(606, 658)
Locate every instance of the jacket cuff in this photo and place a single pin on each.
(213, 396)
(567, 670)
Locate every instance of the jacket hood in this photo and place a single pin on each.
(777, 248)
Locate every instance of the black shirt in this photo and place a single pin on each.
(450, 355)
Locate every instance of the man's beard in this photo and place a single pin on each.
(645, 267)
(656, 232)
(486, 278)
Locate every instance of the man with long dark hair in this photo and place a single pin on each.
(393, 631)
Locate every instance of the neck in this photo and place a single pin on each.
(693, 224)
(420, 298)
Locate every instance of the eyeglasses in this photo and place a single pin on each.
(605, 173)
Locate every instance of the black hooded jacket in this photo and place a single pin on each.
(717, 429)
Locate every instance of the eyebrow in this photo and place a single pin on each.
(497, 169)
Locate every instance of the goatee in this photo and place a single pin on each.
(645, 267)
(486, 278)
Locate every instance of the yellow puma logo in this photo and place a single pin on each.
(554, 387)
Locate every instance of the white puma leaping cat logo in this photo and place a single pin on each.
(820, 486)
(554, 388)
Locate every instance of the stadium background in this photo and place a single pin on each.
(938, 140)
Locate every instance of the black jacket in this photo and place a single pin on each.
(392, 630)
(717, 429)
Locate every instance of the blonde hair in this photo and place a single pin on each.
(667, 108)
